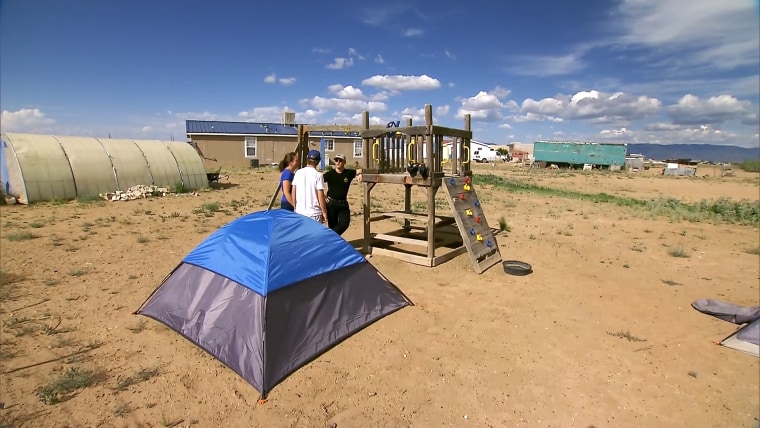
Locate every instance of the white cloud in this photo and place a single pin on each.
(382, 95)
(533, 117)
(483, 107)
(413, 32)
(354, 52)
(344, 105)
(346, 92)
(669, 133)
(547, 65)
(403, 83)
(340, 63)
(379, 59)
(594, 105)
(285, 81)
(722, 34)
(262, 114)
(320, 50)
(622, 132)
(691, 110)
(449, 54)
(500, 92)
(442, 110)
(25, 120)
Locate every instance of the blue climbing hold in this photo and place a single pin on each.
(472, 231)
(477, 203)
(452, 182)
(488, 243)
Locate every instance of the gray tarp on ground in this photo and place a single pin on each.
(745, 339)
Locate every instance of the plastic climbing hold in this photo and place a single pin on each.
(472, 231)
(488, 243)
(452, 181)
(468, 212)
(477, 203)
(467, 187)
(462, 196)
(479, 237)
(467, 180)
(478, 220)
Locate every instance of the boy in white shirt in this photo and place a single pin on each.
(309, 189)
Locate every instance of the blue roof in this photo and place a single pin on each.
(256, 128)
(268, 250)
(219, 127)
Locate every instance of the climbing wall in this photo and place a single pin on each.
(471, 220)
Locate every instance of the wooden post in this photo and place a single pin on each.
(407, 187)
(303, 145)
(366, 147)
(454, 157)
(407, 208)
(430, 190)
(466, 143)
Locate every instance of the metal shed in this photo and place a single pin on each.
(580, 153)
(46, 167)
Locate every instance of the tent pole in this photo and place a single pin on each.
(301, 149)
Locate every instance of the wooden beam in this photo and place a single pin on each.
(451, 132)
(400, 239)
(433, 180)
(405, 256)
(413, 216)
(408, 130)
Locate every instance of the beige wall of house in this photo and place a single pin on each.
(238, 150)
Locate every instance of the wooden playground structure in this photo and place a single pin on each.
(430, 157)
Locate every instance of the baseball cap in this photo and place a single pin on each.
(340, 156)
(314, 155)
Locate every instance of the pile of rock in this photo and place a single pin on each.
(139, 191)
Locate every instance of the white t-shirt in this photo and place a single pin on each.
(307, 181)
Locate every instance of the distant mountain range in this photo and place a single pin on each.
(703, 152)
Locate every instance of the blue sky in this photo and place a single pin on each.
(637, 71)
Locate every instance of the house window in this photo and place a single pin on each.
(358, 148)
(250, 147)
(329, 145)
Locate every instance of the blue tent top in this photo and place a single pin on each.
(268, 250)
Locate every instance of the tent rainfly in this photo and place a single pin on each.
(746, 338)
(46, 167)
(269, 292)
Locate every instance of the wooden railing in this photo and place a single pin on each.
(392, 150)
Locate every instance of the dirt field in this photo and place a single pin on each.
(601, 334)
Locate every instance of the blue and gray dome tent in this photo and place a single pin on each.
(270, 291)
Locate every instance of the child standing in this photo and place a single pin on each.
(287, 167)
(309, 189)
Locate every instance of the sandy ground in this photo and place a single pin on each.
(601, 334)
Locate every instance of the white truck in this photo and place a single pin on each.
(487, 154)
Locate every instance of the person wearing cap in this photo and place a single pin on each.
(309, 189)
(338, 182)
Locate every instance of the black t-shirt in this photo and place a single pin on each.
(338, 184)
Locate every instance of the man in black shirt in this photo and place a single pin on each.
(338, 182)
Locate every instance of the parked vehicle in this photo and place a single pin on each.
(486, 154)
